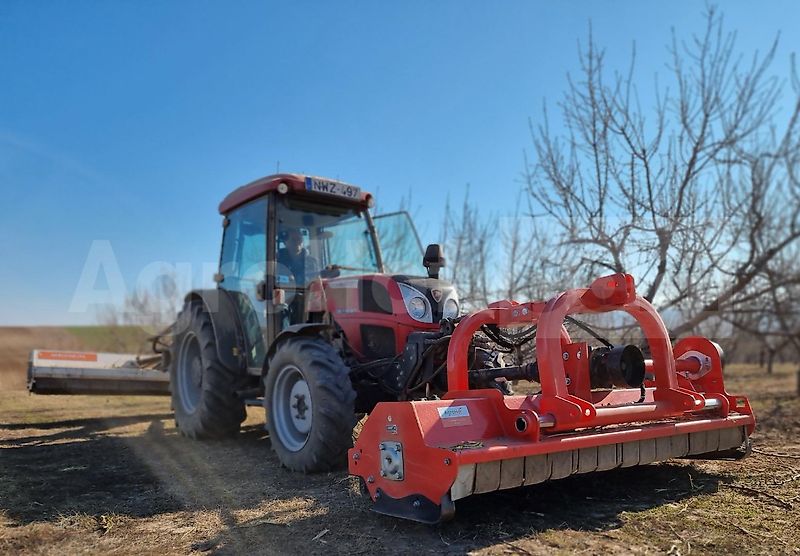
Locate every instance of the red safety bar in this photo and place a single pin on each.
(574, 407)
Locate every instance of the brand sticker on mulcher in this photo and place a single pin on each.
(455, 416)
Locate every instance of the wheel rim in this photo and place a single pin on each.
(190, 373)
(292, 410)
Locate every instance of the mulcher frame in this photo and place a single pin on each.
(418, 457)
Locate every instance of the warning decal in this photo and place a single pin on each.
(67, 356)
(455, 416)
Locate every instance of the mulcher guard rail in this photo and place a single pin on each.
(418, 457)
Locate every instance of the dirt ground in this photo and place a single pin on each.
(104, 474)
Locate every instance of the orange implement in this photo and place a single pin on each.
(418, 457)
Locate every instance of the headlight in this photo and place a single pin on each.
(450, 310)
(417, 306)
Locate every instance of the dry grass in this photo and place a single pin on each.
(96, 475)
(16, 344)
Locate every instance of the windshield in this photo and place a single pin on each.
(313, 237)
(401, 249)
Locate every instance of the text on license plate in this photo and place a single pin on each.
(318, 185)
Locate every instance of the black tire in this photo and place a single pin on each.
(315, 439)
(203, 389)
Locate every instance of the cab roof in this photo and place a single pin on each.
(295, 182)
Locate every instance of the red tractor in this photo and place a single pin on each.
(321, 314)
(313, 313)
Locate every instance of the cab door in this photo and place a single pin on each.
(401, 249)
(243, 271)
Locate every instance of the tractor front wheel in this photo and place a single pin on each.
(309, 403)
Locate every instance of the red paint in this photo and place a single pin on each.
(343, 303)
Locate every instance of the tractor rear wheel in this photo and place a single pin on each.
(309, 403)
(203, 389)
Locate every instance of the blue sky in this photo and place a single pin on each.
(129, 121)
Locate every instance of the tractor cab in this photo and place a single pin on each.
(297, 250)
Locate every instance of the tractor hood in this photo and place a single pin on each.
(399, 295)
(378, 312)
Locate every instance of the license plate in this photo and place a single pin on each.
(318, 185)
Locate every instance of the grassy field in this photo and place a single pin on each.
(96, 475)
(126, 339)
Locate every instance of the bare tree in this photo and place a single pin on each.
(772, 320)
(697, 196)
(469, 246)
(149, 309)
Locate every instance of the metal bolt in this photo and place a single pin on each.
(565, 356)
(447, 461)
(356, 456)
(416, 504)
(370, 479)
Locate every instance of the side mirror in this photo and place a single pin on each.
(433, 259)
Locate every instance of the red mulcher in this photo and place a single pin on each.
(418, 457)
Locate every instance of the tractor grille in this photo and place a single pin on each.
(377, 342)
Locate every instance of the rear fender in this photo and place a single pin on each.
(225, 319)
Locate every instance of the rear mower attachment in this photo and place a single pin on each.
(597, 410)
(80, 372)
